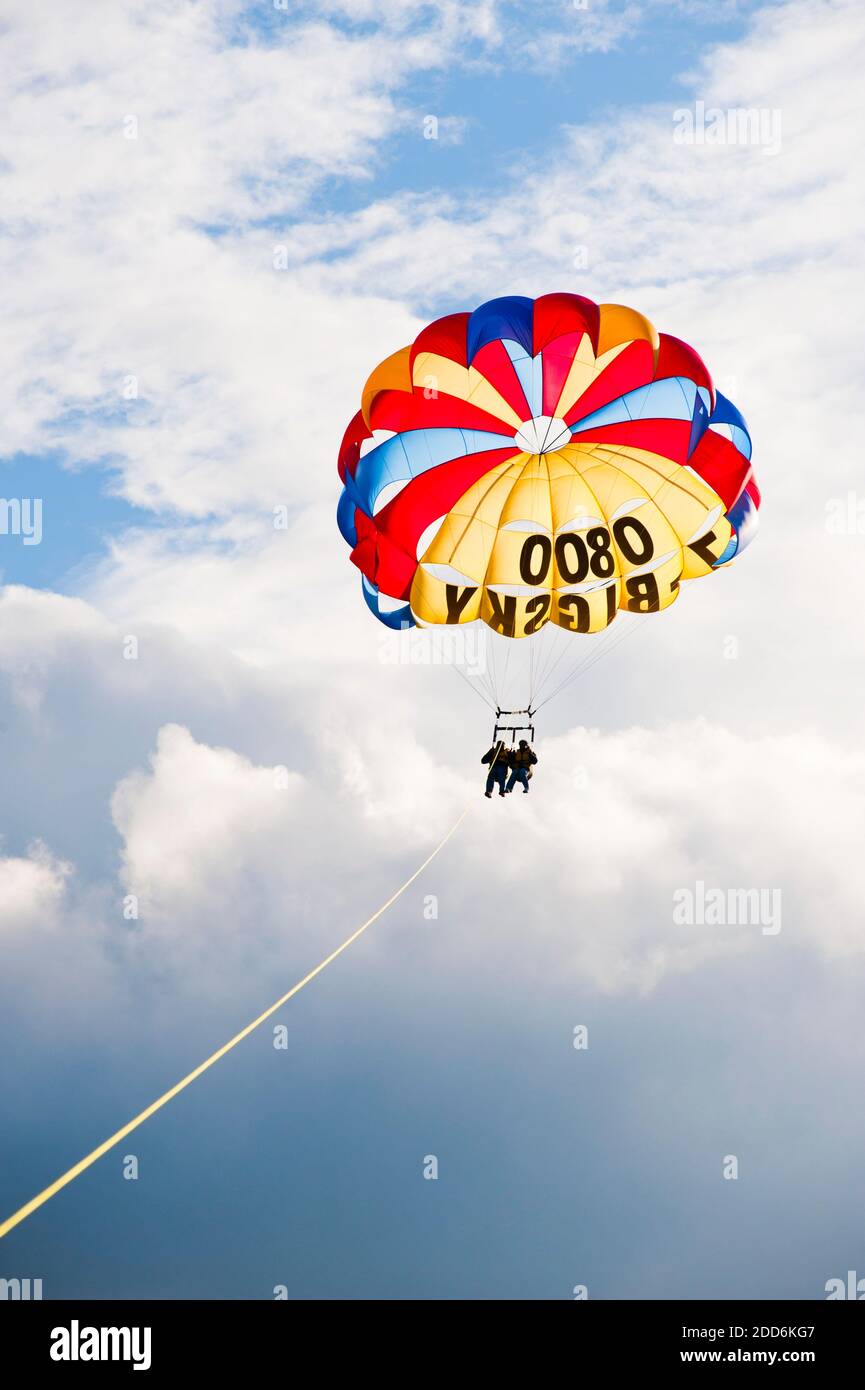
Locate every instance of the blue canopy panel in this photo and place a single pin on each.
(700, 421)
(530, 374)
(511, 317)
(409, 454)
(726, 414)
(745, 521)
(671, 398)
(345, 511)
(397, 618)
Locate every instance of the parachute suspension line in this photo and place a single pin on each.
(494, 666)
(489, 666)
(564, 645)
(558, 643)
(490, 693)
(507, 667)
(575, 671)
(531, 672)
(489, 683)
(535, 663)
(595, 656)
(482, 694)
(83, 1164)
(539, 660)
(572, 671)
(622, 637)
(552, 657)
(487, 673)
(479, 684)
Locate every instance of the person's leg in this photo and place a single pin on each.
(513, 778)
(491, 781)
(501, 777)
(524, 779)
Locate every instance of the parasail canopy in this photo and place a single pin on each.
(548, 462)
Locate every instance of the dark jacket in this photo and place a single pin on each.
(524, 757)
(500, 761)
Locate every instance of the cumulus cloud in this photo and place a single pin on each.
(121, 168)
(227, 859)
(723, 245)
(32, 889)
(180, 179)
(198, 821)
(243, 357)
(619, 823)
(198, 322)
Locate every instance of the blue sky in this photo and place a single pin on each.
(79, 511)
(510, 114)
(670, 763)
(511, 117)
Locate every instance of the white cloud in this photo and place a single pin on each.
(727, 247)
(156, 776)
(131, 135)
(237, 360)
(61, 977)
(199, 817)
(233, 863)
(32, 889)
(245, 375)
(617, 823)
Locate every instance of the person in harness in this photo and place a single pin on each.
(522, 761)
(499, 761)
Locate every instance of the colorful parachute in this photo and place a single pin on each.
(547, 461)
